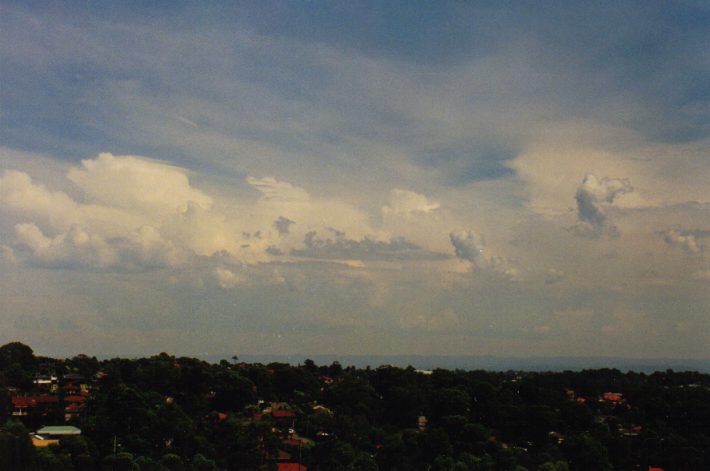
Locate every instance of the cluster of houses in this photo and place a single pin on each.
(53, 399)
(607, 400)
(284, 419)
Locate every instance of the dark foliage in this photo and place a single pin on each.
(166, 413)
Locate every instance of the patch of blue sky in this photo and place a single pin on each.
(488, 167)
(416, 31)
(470, 163)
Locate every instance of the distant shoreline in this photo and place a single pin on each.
(487, 362)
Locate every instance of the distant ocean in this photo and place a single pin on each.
(492, 363)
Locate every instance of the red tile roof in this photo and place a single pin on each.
(291, 467)
(79, 399)
(613, 397)
(32, 401)
(19, 401)
(278, 413)
(74, 407)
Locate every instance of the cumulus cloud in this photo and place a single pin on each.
(281, 204)
(136, 183)
(140, 212)
(148, 247)
(227, 279)
(21, 197)
(132, 212)
(594, 197)
(687, 240)
(338, 246)
(76, 247)
(405, 203)
(468, 246)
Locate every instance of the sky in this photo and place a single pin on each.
(383, 178)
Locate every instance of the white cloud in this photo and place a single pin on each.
(23, 198)
(133, 211)
(337, 245)
(76, 247)
(686, 240)
(152, 249)
(147, 213)
(136, 184)
(468, 246)
(227, 279)
(275, 191)
(302, 213)
(405, 203)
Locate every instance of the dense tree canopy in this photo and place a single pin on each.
(168, 413)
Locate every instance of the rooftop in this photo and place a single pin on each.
(59, 430)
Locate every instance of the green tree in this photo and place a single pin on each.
(17, 353)
(585, 453)
(232, 391)
(201, 463)
(120, 462)
(172, 462)
(48, 459)
(16, 450)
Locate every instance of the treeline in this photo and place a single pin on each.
(177, 413)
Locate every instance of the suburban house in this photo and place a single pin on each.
(612, 397)
(39, 441)
(23, 404)
(291, 467)
(59, 431)
(51, 435)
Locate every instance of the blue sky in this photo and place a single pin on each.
(504, 178)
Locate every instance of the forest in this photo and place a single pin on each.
(177, 413)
